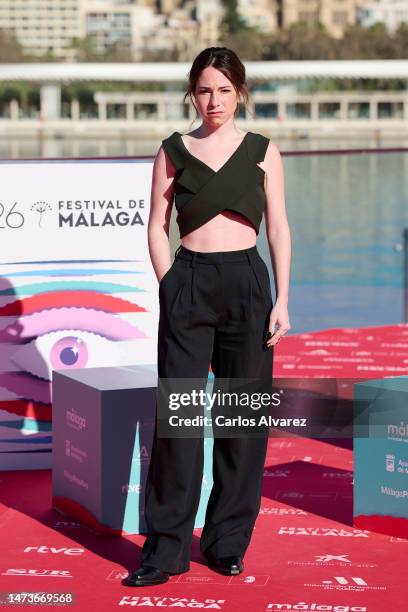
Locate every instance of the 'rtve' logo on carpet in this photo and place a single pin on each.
(55, 551)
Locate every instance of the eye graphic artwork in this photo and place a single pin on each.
(56, 325)
(69, 351)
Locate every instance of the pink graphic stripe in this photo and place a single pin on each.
(71, 319)
(60, 299)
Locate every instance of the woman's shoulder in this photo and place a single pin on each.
(172, 138)
(257, 137)
(258, 145)
(171, 145)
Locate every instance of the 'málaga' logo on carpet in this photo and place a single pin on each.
(302, 605)
(178, 602)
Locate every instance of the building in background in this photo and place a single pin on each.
(335, 15)
(136, 29)
(170, 30)
(390, 12)
(44, 26)
(168, 6)
(262, 14)
(179, 29)
(176, 34)
(121, 25)
(208, 14)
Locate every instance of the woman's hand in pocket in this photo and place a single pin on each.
(279, 319)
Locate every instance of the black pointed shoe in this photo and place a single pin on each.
(228, 566)
(146, 575)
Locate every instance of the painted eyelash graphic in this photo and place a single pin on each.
(73, 272)
(25, 386)
(43, 287)
(40, 323)
(67, 299)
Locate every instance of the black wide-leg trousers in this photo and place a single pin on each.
(214, 308)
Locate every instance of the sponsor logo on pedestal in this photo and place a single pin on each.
(142, 456)
(397, 493)
(131, 488)
(390, 463)
(398, 432)
(74, 479)
(75, 452)
(75, 420)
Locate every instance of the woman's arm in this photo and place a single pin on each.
(161, 202)
(276, 222)
(279, 240)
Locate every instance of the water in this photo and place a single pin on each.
(40, 147)
(347, 213)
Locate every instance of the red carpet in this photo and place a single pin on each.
(304, 551)
(304, 554)
(368, 352)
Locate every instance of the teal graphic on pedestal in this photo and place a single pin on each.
(381, 455)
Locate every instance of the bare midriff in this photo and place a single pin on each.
(227, 231)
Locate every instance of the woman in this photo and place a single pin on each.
(215, 306)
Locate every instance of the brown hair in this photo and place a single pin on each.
(226, 61)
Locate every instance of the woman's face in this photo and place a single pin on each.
(215, 97)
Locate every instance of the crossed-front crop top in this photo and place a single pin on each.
(200, 192)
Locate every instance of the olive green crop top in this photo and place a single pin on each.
(200, 192)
